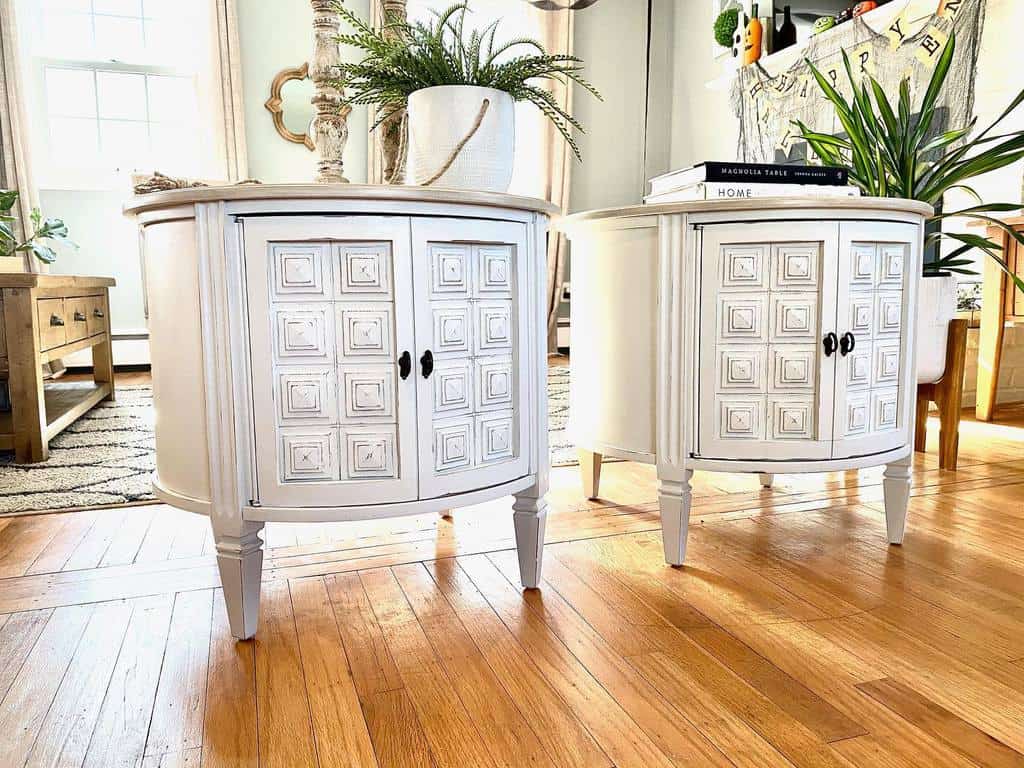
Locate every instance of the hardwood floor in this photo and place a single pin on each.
(793, 637)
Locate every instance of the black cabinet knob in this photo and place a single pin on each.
(831, 343)
(847, 344)
(404, 365)
(79, 316)
(427, 364)
(56, 320)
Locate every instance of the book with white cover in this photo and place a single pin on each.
(725, 191)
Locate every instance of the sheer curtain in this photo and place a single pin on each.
(542, 160)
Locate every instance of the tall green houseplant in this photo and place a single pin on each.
(890, 151)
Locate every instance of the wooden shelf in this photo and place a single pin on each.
(65, 402)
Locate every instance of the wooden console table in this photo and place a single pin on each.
(1001, 303)
(44, 318)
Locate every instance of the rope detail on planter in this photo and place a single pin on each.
(458, 147)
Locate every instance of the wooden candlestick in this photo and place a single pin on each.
(330, 126)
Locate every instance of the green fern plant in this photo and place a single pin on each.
(41, 235)
(404, 57)
(892, 152)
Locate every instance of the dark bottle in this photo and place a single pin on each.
(786, 35)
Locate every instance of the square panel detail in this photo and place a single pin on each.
(891, 258)
(854, 415)
(299, 272)
(364, 330)
(453, 388)
(741, 418)
(369, 452)
(792, 419)
(793, 369)
(494, 263)
(862, 311)
(884, 410)
(862, 275)
(859, 366)
(494, 383)
(451, 328)
(741, 369)
(495, 437)
(886, 366)
(367, 391)
(450, 270)
(453, 445)
(794, 317)
(493, 326)
(744, 266)
(304, 333)
(309, 455)
(306, 394)
(888, 314)
(741, 317)
(795, 266)
(363, 270)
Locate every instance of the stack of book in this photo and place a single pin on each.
(735, 181)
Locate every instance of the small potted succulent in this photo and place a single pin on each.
(460, 88)
(893, 151)
(40, 236)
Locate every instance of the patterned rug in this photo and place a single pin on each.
(107, 456)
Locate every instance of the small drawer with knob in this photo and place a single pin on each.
(52, 323)
(95, 314)
(76, 318)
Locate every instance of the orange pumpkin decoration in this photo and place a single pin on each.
(861, 8)
(752, 39)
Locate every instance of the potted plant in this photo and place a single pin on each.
(892, 152)
(39, 242)
(459, 89)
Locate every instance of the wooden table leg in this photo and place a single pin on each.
(590, 472)
(990, 344)
(103, 353)
(25, 377)
(949, 391)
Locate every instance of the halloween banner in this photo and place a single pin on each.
(767, 104)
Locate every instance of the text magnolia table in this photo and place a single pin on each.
(771, 335)
(342, 352)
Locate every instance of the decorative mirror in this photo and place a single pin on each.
(290, 105)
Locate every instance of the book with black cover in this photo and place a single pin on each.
(760, 173)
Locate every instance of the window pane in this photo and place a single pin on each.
(171, 99)
(176, 149)
(118, 7)
(122, 95)
(159, 8)
(67, 6)
(124, 145)
(119, 38)
(70, 92)
(71, 34)
(73, 142)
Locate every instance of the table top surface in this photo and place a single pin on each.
(368, 192)
(38, 280)
(883, 204)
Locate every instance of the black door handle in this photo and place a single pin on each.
(847, 344)
(831, 343)
(427, 364)
(404, 365)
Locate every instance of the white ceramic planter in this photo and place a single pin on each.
(936, 307)
(441, 117)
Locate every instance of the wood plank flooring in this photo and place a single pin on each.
(793, 637)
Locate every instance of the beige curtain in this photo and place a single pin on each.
(229, 55)
(15, 163)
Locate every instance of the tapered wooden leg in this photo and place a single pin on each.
(590, 472)
(896, 490)
(674, 499)
(990, 339)
(240, 562)
(949, 394)
(530, 515)
(766, 478)
(103, 355)
(921, 422)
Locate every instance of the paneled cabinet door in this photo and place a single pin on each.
(767, 302)
(330, 308)
(878, 268)
(473, 352)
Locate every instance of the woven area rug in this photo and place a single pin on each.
(107, 456)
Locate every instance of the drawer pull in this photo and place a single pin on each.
(79, 316)
(404, 365)
(427, 364)
(98, 313)
(831, 343)
(56, 320)
(847, 344)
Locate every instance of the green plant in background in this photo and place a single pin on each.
(892, 153)
(414, 55)
(725, 26)
(45, 232)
